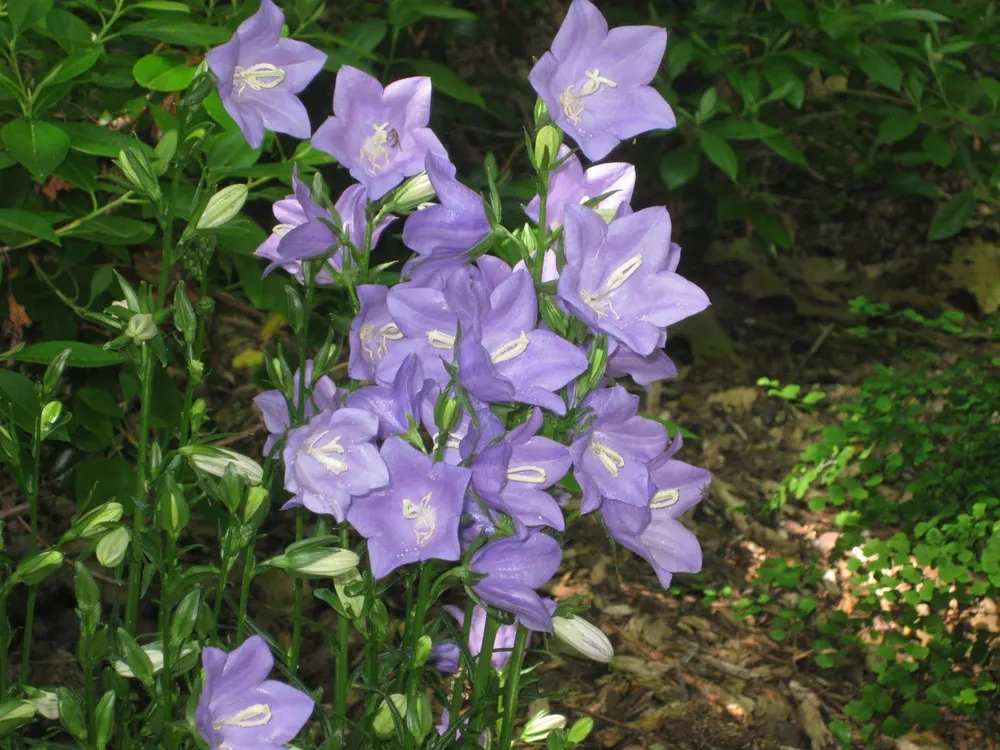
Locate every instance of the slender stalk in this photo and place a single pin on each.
(342, 669)
(4, 644)
(167, 261)
(512, 687)
(293, 657)
(248, 565)
(31, 490)
(166, 674)
(484, 666)
(464, 669)
(123, 198)
(139, 509)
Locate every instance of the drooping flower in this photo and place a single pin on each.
(398, 407)
(415, 516)
(616, 276)
(655, 366)
(611, 456)
(274, 408)
(514, 567)
(569, 185)
(446, 656)
(240, 709)
(331, 460)
(258, 75)
(595, 82)
(380, 135)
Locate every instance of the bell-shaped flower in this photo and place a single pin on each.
(415, 516)
(644, 370)
(240, 709)
(611, 456)
(616, 276)
(514, 567)
(274, 408)
(258, 75)
(655, 532)
(446, 231)
(446, 656)
(331, 460)
(398, 407)
(380, 135)
(595, 82)
(428, 326)
(570, 185)
(373, 332)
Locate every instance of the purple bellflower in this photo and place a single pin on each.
(258, 75)
(240, 709)
(645, 371)
(514, 567)
(569, 184)
(655, 532)
(373, 332)
(616, 278)
(397, 407)
(380, 135)
(595, 82)
(331, 460)
(274, 408)
(611, 456)
(446, 656)
(415, 517)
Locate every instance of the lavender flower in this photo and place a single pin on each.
(380, 135)
(611, 456)
(258, 75)
(428, 326)
(274, 408)
(415, 517)
(569, 184)
(240, 709)
(331, 460)
(445, 656)
(373, 332)
(514, 567)
(616, 276)
(595, 81)
(397, 407)
(644, 370)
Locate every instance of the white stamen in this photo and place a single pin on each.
(664, 499)
(256, 715)
(510, 350)
(454, 441)
(614, 282)
(374, 148)
(529, 474)
(323, 453)
(280, 230)
(389, 332)
(570, 98)
(611, 460)
(258, 77)
(440, 340)
(424, 515)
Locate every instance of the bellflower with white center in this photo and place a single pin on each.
(399, 406)
(514, 567)
(415, 516)
(611, 455)
(655, 532)
(258, 75)
(569, 185)
(446, 656)
(595, 82)
(372, 333)
(380, 135)
(274, 408)
(240, 709)
(616, 277)
(331, 460)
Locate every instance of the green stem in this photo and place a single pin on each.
(220, 590)
(484, 667)
(123, 198)
(248, 566)
(466, 668)
(31, 490)
(139, 499)
(413, 634)
(293, 657)
(4, 644)
(166, 681)
(342, 675)
(512, 687)
(543, 229)
(167, 261)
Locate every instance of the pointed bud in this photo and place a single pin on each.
(46, 703)
(138, 170)
(580, 730)
(584, 638)
(223, 206)
(94, 522)
(256, 506)
(141, 328)
(423, 651)
(554, 318)
(175, 512)
(50, 415)
(541, 113)
(316, 563)
(540, 725)
(37, 568)
(547, 144)
(447, 412)
(14, 714)
(411, 194)
(113, 546)
(213, 460)
(383, 723)
(353, 603)
(598, 363)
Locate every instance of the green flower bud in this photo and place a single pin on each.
(413, 193)
(423, 651)
(14, 714)
(138, 170)
(316, 563)
(223, 206)
(175, 512)
(257, 504)
(540, 725)
(94, 522)
(586, 639)
(541, 114)
(213, 460)
(141, 328)
(447, 412)
(37, 568)
(580, 730)
(51, 413)
(547, 144)
(383, 723)
(354, 604)
(113, 546)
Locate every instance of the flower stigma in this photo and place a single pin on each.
(664, 499)
(571, 98)
(423, 515)
(615, 281)
(256, 715)
(324, 453)
(529, 474)
(258, 77)
(510, 350)
(612, 460)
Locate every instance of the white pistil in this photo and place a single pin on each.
(529, 474)
(324, 453)
(256, 715)
(280, 230)
(664, 499)
(571, 98)
(454, 441)
(374, 148)
(612, 460)
(596, 301)
(389, 332)
(440, 340)
(424, 516)
(510, 350)
(258, 77)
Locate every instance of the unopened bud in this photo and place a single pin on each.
(598, 364)
(257, 502)
(541, 113)
(412, 194)
(113, 546)
(138, 170)
(447, 412)
(355, 603)
(317, 563)
(14, 714)
(213, 460)
(223, 206)
(51, 413)
(154, 651)
(547, 144)
(141, 328)
(423, 651)
(584, 638)
(540, 725)
(38, 567)
(580, 730)
(383, 723)
(46, 703)
(175, 512)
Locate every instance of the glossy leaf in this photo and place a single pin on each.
(81, 354)
(26, 222)
(160, 73)
(39, 146)
(897, 127)
(679, 167)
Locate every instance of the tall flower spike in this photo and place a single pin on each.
(570, 185)
(240, 709)
(380, 135)
(258, 75)
(595, 82)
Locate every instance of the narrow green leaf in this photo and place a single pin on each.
(80, 354)
(71, 67)
(24, 13)
(98, 141)
(25, 222)
(880, 67)
(114, 230)
(952, 217)
(185, 33)
(896, 127)
(167, 5)
(916, 14)
(786, 149)
(679, 167)
(743, 130)
(39, 146)
(19, 396)
(720, 152)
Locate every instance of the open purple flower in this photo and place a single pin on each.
(571, 185)
(331, 460)
(612, 455)
(644, 370)
(616, 276)
(258, 75)
(595, 82)
(445, 656)
(415, 517)
(514, 567)
(398, 406)
(240, 709)
(274, 408)
(380, 135)
(373, 332)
